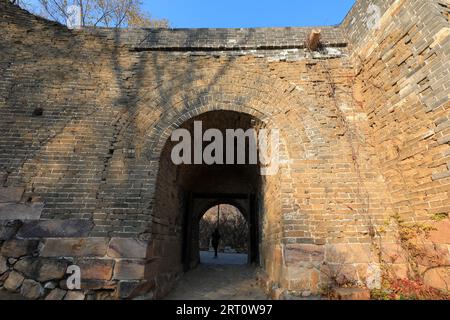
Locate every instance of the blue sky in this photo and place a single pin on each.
(248, 13)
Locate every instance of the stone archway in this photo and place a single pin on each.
(219, 212)
(183, 192)
(246, 204)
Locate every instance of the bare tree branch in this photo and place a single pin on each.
(106, 13)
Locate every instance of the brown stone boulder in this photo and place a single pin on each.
(14, 281)
(8, 229)
(42, 269)
(19, 248)
(31, 289)
(74, 295)
(438, 278)
(56, 294)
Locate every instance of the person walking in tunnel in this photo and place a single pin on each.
(215, 238)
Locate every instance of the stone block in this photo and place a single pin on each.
(342, 274)
(315, 281)
(440, 175)
(438, 278)
(11, 194)
(20, 211)
(350, 253)
(42, 269)
(73, 228)
(96, 269)
(51, 270)
(56, 294)
(31, 289)
(127, 248)
(392, 253)
(14, 281)
(85, 247)
(133, 289)
(74, 295)
(8, 229)
(441, 234)
(98, 284)
(337, 254)
(433, 255)
(400, 271)
(129, 270)
(303, 253)
(297, 278)
(19, 248)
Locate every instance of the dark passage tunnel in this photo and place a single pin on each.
(232, 237)
(185, 192)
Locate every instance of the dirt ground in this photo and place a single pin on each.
(225, 278)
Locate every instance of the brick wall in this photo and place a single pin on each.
(403, 85)
(94, 160)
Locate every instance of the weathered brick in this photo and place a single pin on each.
(96, 269)
(19, 248)
(55, 229)
(83, 247)
(42, 269)
(127, 248)
(129, 269)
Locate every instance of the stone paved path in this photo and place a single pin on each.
(207, 257)
(214, 280)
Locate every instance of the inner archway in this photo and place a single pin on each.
(233, 236)
(185, 191)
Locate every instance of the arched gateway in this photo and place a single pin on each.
(87, 176)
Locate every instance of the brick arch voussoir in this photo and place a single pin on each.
(237, 75)
(161, 132)
(271, 92)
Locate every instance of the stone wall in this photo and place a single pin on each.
(219, 39)
(35, 259)
(403, 85)
(85, 117)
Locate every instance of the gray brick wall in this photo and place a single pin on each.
(217, 39)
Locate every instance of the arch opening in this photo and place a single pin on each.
(184, 193)
(233, 236)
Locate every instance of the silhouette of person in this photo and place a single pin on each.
(215, 238)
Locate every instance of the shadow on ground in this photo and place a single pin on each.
(225, 278)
